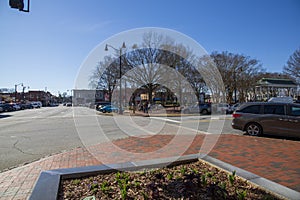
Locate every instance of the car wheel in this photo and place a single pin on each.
(254, 129)
(104, 111)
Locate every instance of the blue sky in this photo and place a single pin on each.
(45, 47)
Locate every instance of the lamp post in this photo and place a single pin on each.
(23, 92)
(120, 71)
(240, 70)
(234, 79)
(16, 87)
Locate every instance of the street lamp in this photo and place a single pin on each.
(120, 71)
(235, 83)
(16, 86)
(234, 78)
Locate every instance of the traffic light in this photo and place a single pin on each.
(18, 4)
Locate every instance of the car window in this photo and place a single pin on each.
(254, 109)
(295, 110)
(274, 109)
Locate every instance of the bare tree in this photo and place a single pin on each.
(158, 62)
(239, 73)
(105, 75)
(161, 62)
(292, 68)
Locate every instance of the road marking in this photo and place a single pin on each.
(166, 119)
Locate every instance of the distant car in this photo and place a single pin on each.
(234, 107)
(26, 106)
(109, 109)
(35, 105)
(1, 109)
(221, 108)
(102, 104)
(6, 107)
(268, 118)
(202, 108)
(68, 104)
(15, 106)
(281, 99)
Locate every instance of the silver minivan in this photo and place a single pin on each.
(259, 118)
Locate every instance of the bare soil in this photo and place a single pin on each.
(198, 180)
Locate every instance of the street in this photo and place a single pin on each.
(30, 135)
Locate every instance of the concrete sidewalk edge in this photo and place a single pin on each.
(274, 188)
(49, 181)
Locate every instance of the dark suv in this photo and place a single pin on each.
(270, 118)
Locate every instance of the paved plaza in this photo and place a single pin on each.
(270, 158)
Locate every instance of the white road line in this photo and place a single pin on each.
(166, 119)
(178, 122)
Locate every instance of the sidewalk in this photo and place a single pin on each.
(274, 159)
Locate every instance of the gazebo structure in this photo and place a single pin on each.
(273, 87)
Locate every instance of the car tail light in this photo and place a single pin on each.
(236, 115)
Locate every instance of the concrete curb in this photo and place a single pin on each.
(48, 183)
(274, 188)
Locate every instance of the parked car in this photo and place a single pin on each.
(35, 104)
(6, 107)
(26, 106)
(268, 118)
(234, 107)
(1, 109)
(221, 108)
(281, 99)
(101, 105)
(202, 108)
(15, 106)
(109, 109)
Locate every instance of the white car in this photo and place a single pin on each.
(223, 108)
(234, 107)
(35, 104)
(16, 106)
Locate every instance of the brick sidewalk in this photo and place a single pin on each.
(274, 159)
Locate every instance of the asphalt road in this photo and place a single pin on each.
(29, 135)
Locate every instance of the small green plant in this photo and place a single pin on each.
(195, 171)
(145, 196)
(123, 180)
(223, 190)
(231, 178)
(183, 171)
(75, 182)
(241, 195)
(204, 180)
(209, 174)
(222, 185)
(137, 183)
(104, 187)
(169, 176)
(124, 193)
(214, 179)
(94, 187)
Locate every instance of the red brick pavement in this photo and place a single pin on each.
(274, 159)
